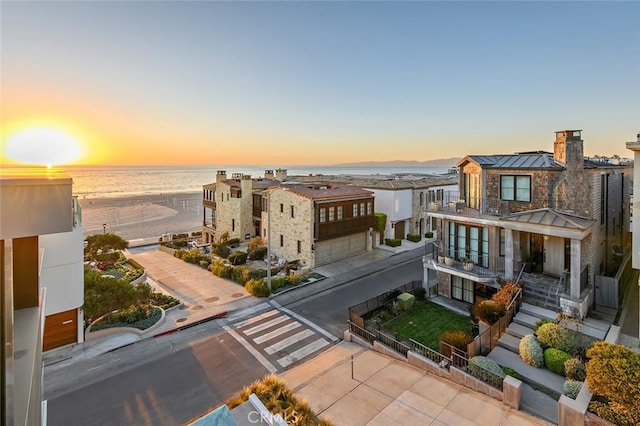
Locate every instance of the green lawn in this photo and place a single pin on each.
(426, 321)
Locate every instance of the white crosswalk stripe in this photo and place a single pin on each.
(280, 338)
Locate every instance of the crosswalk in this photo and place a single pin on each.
(279, 338)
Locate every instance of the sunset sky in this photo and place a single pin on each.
(232, 83)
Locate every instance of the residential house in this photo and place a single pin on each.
(317, 223)
(635, 251)
(41, 283)
(401, 199)
(555, 217)
(233, 206)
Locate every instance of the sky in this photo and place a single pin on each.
(319, 83)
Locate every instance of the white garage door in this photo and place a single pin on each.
(340, 248)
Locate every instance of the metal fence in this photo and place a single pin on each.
(392, 342)
(365, 310)
(429, 353)
(362, 333)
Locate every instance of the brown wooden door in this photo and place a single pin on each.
(60, 329)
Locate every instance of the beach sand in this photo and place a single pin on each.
(143, 216)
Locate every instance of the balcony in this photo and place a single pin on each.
(483, 268)
(452, 203)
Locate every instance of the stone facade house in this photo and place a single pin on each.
(317, 223)
(554, 219)
(234, 206)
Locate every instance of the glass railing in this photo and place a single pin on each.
(474, 263)
(452, 202)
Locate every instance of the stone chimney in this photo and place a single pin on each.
(246, 185)
(220, 176)
(268, 174)
(568, 149)
(281, 175)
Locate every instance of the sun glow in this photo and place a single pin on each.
(44, 146)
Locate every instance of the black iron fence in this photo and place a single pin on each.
(361, 312)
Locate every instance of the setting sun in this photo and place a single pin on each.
(45, 146)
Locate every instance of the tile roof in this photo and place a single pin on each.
(328, 190)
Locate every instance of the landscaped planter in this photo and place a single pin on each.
(468, 266)
(440, 259)
(449, 261)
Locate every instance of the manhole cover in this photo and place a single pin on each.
(183, 307)
(212, 299)
(181, 320)
(196, 307)
(236, 295)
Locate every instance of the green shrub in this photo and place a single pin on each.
(258, 253)
(204, 264)
(181, 236)
(414, 238)
(221, 270)
(140, 317)
(540, 323)
(571, 388)
(249, 273)
(486, 370)
(179, 243)
(420, 293)
(393, 242)
(232, 242)
(237, 274)
(489, 311)
(428, 234)
(220, 250)
(511, 372)
(237, 258)
(257, 287)
(456, 338)
(603, 410)
(163, 301)
(135, 264)
(552, 335)
(574, 369)
(554, 360)
(613, 372)
(531, 351)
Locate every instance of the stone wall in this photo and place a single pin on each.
(292, 229)
(542, 182)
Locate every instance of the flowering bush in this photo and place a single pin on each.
(571, 388)
(486, 370)
(531, 351)
(140, 317)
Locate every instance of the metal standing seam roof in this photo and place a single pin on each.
(516, 161)
(551, 217)
(327, 191)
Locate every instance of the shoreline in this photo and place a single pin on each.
(143, 216)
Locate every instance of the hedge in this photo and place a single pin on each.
(414, 238)
(554, 360)
(428, 234)
(393, 242)
(531, 351)
(237, 258)
(220, 250)
(257, 287)
(613, 372)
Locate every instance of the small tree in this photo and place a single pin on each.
(380, 224)
(104, 243)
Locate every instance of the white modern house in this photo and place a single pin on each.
(41, 283)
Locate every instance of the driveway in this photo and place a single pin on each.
(202, 293)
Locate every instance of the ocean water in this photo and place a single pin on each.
(119, 181)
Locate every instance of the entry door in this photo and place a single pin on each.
(553, 255)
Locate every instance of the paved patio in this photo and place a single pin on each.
(384, 391)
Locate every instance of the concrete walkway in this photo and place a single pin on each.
(377, 390)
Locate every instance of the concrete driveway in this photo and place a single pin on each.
(202, 293)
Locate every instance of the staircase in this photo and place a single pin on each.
(542, 291)
(542, 388)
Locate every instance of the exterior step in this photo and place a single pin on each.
(538, 378)
(525, 319)
(584, 328)
(537, 311)
(519, 330)
(509, 342)
(542, 301)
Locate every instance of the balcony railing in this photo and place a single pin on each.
(452, 202)
(472, 263)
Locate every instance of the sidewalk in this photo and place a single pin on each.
(350, 385)
(629, 327)
(206, 296)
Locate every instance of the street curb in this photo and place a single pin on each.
(192, 324)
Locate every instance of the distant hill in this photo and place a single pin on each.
(442, 162)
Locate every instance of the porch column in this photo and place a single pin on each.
(575, 269)
(508, 254)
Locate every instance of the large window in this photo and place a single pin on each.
(469, 241)
(323, 215)
(462, 289)
(340, 215)
(515, 188)
(331, 214)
